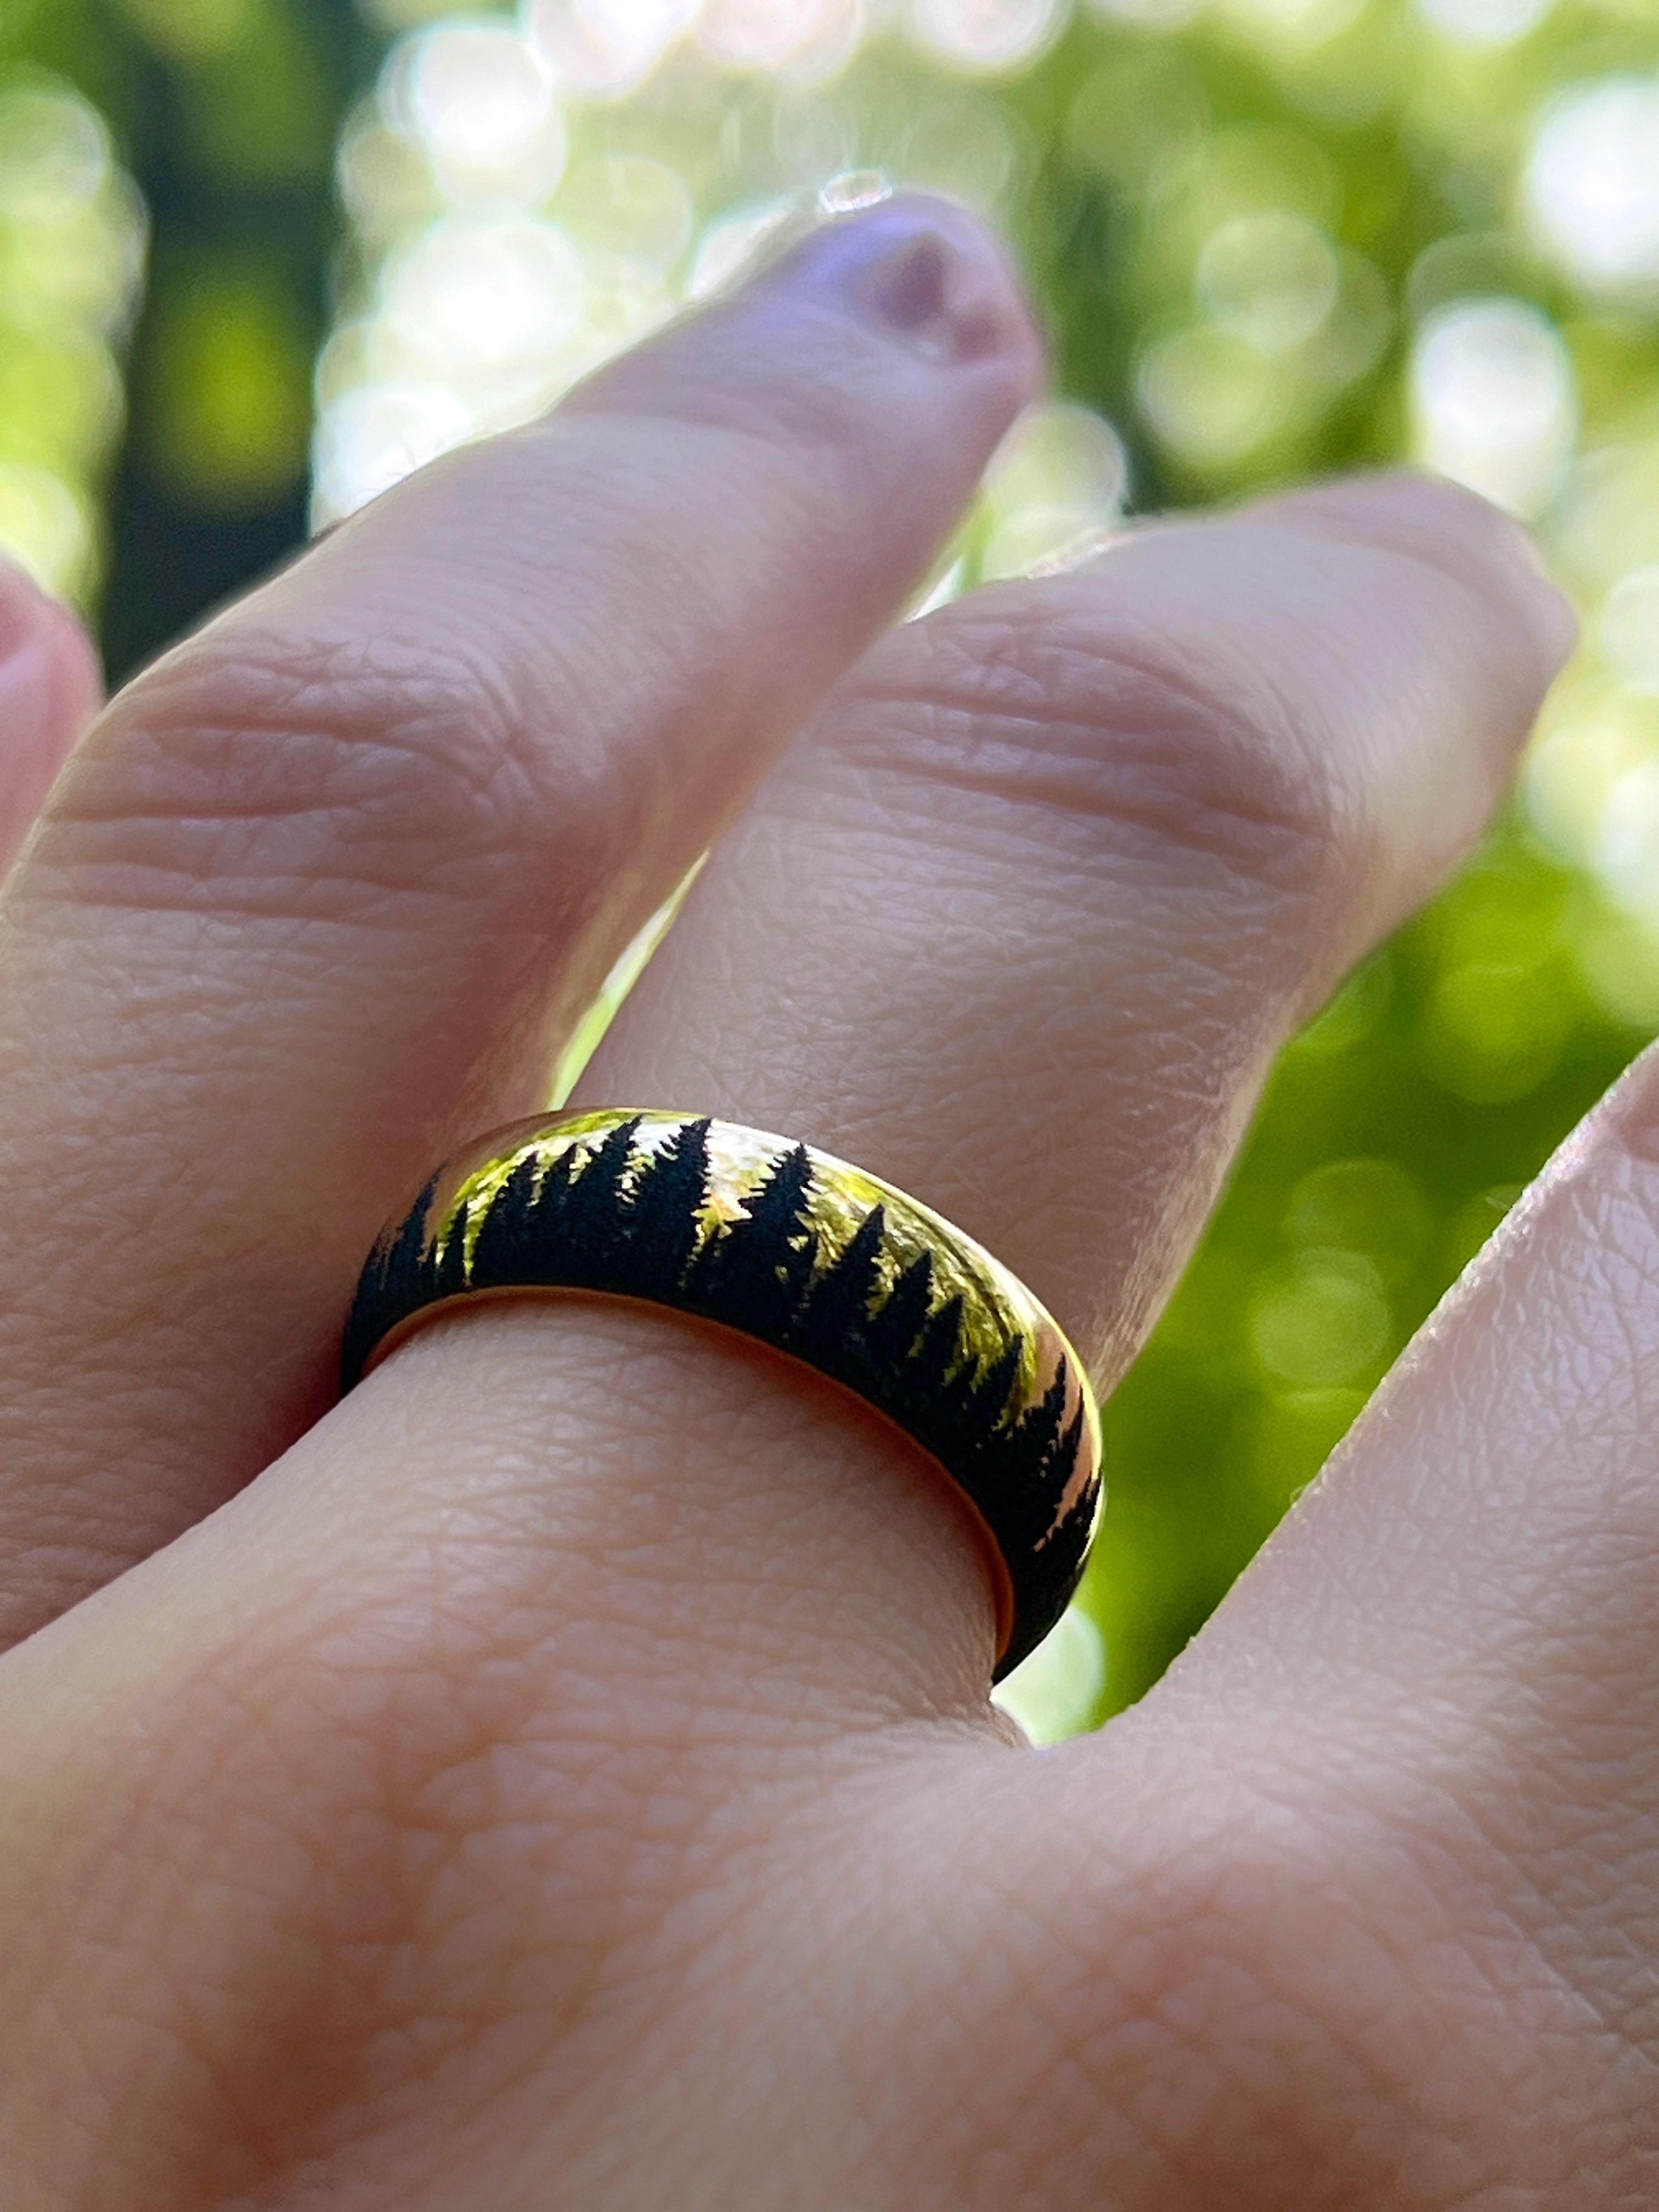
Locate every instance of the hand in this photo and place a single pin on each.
(560, 1775)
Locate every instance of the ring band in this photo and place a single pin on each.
(811, 1256)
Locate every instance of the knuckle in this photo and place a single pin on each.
(269, 767)
(315, 1847)
(1262, 1986)
(1065, 716)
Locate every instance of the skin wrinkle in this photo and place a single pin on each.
(306, 1887)
(1089, 668)
(427, 773)
(1298, 2007)
(956, 833)
(1143, 781)
(1107, 2068)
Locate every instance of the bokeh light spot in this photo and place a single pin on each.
(990, 35)
(1493, 401)
(1152, 15)
(1492, 1032)
(627, 208)
(605, 48)
(476, 288)
(1617, 957)
(1626, 854)
(385, 180)
(1321, 1318)
(1208, 394)
(1295, 23)
(1272, 279)
(1058, 478)
(1629, 629)
(46, 527)
(803, 39)
(1485, 22)
(1375, 1207)
(965, 144)
(1593, 734)
(61, 402)
(54, 153)
(1606, 521)
(1592, 186)
(369, 438)
(480, 101)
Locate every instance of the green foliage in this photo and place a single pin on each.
(225, 113)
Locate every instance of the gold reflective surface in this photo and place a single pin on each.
(801, 1249)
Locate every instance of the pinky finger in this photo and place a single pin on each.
(50, 689)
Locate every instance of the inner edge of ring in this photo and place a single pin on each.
(551, 1293)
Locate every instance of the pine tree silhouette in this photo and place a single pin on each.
(1045, 1578)
(616, 1219)
(1019, 1465)
(891, 1333)
(828, 1327)
(401, 1263)
(446, 1269)
(1057, 1471)
(594, 1221)
(1070, 1537)
(391, 1287)
(920, 1395)
(1036, 1432)
(506, 1249)
(668, 1195)
(992, 1386)
(756, 1274)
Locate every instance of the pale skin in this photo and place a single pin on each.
(561, 1774)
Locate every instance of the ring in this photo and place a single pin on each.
(813, 1257)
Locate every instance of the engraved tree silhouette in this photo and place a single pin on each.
(756, 1272)
(620, 1220)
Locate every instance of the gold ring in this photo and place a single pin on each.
(813, 1257)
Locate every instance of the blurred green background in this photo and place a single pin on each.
(260, 258)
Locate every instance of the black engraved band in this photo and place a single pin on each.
(815, 1258)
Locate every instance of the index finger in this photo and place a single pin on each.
(327, 886)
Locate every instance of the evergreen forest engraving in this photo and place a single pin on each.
(620, 1217)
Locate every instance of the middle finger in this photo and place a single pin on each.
(1020, 921)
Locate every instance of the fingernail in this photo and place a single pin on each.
(922, 271)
